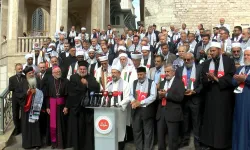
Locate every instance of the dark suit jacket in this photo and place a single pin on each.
(197, 84)
(92, 68)
(16, 87)
(174, 98)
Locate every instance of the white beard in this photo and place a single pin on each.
(32, 82)
(247, 63)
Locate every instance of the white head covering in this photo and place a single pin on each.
(237, 44)
(83, 28)
(91, 50)
(123, 48)
(103, 58)
(145, 48)
(117, 67)
(123, 55)
(136, 56)
(163, 28)
(215, 44)
(36, 46)
(77, 38)
(27, 56)
(52, 44)
(80, 53)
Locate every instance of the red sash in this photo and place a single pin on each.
(28, 101)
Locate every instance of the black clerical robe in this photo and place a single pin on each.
(56, 95)
(31, 136)
(219, 103)
(81, 121)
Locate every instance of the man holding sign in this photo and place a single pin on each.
(142, 95)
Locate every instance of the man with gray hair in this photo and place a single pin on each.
(245, 38)
(191, 78)
(226, 43)
(237, 54)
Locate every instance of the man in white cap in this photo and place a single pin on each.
(94, 66)
(217, 74)
(95, 45)
(128, 72)
(237, 54)
(29, 63)
(147, 57)
(103, 74)
(60, 44)
(83, 32)
(91, 57)
(121, 90)
(52, 49)
(74, 65)
(78, 44)
(38, 55)
(121, 50)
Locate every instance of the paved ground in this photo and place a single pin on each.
(15, 144)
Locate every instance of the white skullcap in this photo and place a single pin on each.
(27, 56)
(36, 46)
(163, 28)
(123, 48)
(237, 44)
(83, 28)
(80, 53)
(136, 56)
(103, 58)
(91, 50)
(52, 44)
(215, 44)
(123, 55)
(145, 48)
(77, 38)
(117, 67)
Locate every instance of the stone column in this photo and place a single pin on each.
(107, 13)
(62, 14)
(53, 17)
(98, 14)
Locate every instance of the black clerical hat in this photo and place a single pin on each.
(27, 69)
(83, 63)
(141, 69)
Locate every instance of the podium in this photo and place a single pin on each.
(109, 127)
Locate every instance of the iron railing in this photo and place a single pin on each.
(5, 110)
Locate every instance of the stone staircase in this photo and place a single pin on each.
(15, 144)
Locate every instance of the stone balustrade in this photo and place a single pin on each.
(25, 44)
(3, 49)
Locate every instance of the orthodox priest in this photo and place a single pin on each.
(241, 110)
(33, 99)
(217, 75)
(81, 120)
(56, 94)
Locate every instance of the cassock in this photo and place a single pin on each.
(81, 120)
(216, 131)
(56, 95)
(241, 128)
(31, 136)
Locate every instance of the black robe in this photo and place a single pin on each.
(219, 103)
(81, 120)
(61, 119)
(31, 136)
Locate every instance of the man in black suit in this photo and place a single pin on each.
(108, 52)
(15, 85)
(237, 34)
(156, 32)
(191, 78)
(169, 114)
(65, 54)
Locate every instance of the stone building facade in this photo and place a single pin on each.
(193, 12)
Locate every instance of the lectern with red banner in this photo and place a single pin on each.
(109, 127)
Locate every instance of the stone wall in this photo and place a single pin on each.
(193, 12)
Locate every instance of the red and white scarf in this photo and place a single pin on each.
(148, 62)
(190, 84)
(141, 90)
(220, 69)
(240, 88)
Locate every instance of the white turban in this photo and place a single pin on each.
(103, 58)
(116, 67)
(145, 48)
(123, 55)
(215, 44)
(136, 56)
(80, 53)
(236, 45)
(52, 44)
(27, 56)
(123, 48)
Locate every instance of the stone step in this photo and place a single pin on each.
(15, 144)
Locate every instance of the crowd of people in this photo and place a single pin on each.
(172, 83)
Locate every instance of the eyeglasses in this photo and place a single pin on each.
(236, 51)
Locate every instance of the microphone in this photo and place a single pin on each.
(104, 98)
(92, 94)
(110, 95)
(115, 95)
(98, 97)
